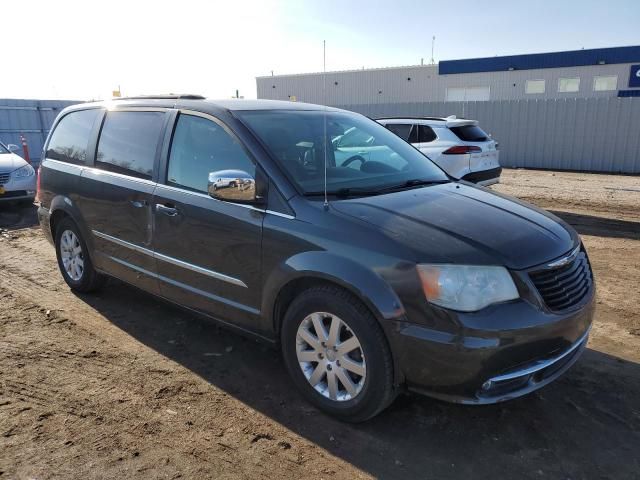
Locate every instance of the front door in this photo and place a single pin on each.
(208, 252)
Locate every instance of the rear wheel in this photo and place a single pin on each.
(73, 259)
(337, 354)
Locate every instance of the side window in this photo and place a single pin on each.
(604, 83)
(569, 85)
(128, 142)
(413, 135)
(199, 147)
(534, 86)
(402, 130)
(69, 140)
(426, 134)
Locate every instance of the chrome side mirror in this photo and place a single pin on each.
(232, 186)
(12, 147)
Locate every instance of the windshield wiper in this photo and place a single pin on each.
(350, 191)
(414, 182)
(346, 192)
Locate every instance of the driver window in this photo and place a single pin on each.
(200, 146)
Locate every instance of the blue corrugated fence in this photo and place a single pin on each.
(31, 118)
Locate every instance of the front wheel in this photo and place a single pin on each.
(337, 354)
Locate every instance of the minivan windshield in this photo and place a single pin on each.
(362, 156)
(3, 149)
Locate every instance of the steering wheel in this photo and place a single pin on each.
(352, 159)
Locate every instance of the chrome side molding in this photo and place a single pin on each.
(171, 260)
(189, 288)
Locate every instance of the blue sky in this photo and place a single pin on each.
(399, 32)
(80, 50)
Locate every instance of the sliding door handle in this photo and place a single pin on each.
(168, 210)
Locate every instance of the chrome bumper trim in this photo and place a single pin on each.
(541, 364)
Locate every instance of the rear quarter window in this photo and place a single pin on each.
(470, 133)
(426, 134)
(128, 143)
(405, 131)
(69, 140)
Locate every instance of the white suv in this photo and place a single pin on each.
(458, 146)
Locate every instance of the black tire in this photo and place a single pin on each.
(90, 280)
(378, 390)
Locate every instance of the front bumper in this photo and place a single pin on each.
(502, 352)
(18, 189)
(17, 195)
(528, 378)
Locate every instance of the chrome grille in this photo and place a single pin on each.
(564, 286)
(4, 178)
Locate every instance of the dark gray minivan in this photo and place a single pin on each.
(372, 276)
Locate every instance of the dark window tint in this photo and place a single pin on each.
(400, 129)
(200, 147)
(128, 142)
(425, 134)
(69, 140)
(470, 133)
(407, 132)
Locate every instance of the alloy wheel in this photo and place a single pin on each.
(331, 356)
(72, 255)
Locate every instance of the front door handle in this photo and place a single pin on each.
(168, 210)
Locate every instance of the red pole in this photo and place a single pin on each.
(25, 149)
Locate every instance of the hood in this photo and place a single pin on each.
(457, 223)
(10, 162)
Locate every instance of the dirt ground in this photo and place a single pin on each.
(121, 385)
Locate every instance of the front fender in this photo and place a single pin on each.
(364, 283)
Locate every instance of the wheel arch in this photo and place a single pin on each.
(308, 269)
(311, 269)
(63, 207)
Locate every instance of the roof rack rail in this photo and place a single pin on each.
(411, 117)
(170, 96)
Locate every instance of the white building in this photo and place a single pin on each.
(605, 72)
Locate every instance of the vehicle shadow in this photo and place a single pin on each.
(585, 425)
(14, 215)
(600, 226)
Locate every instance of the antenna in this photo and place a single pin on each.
(324, 100)
(464, 101)
(433, 43)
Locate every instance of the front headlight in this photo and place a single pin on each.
(466, 288)
(22, 172)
